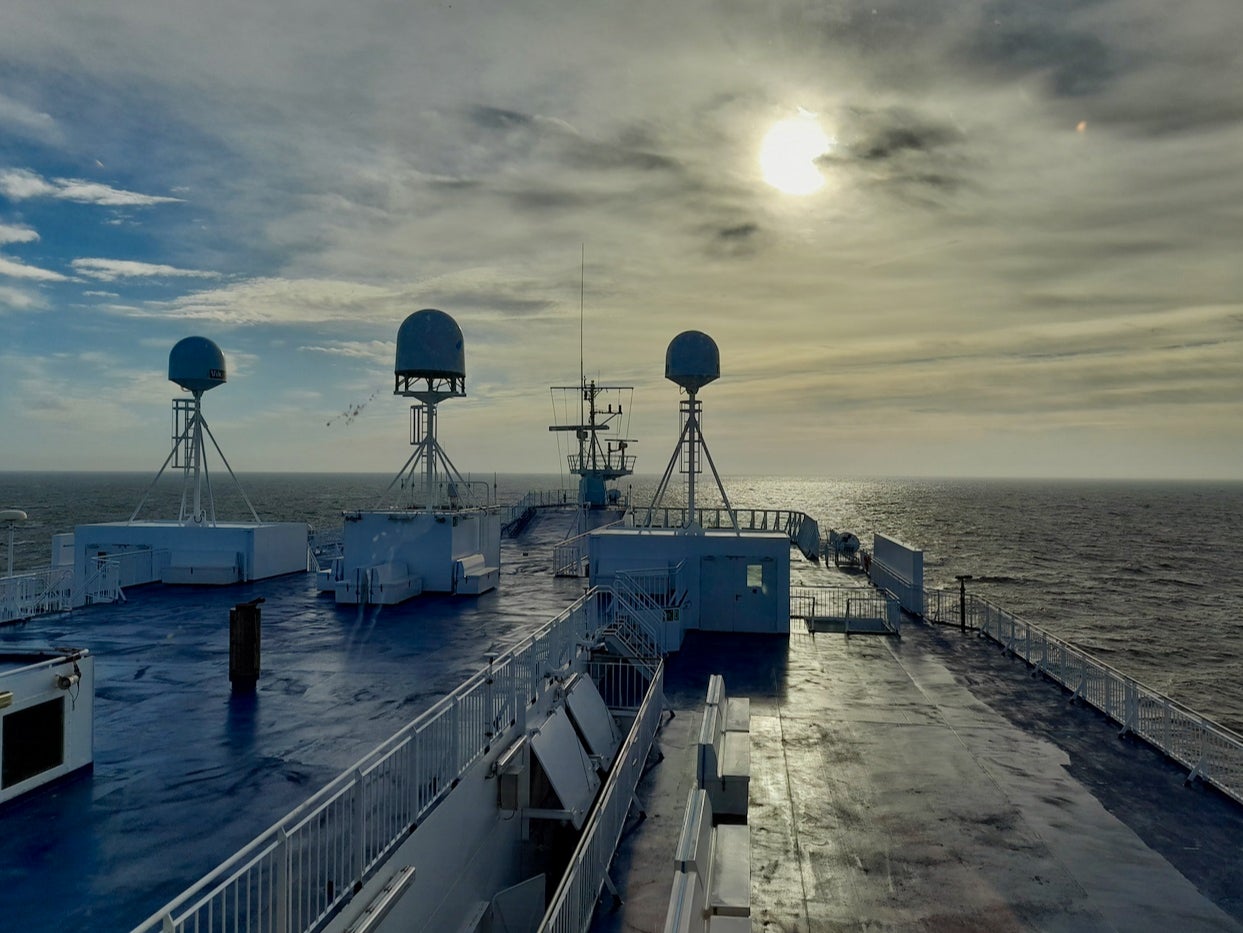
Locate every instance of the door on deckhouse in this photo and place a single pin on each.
(737, 594)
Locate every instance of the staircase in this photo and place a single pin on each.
(637, 622)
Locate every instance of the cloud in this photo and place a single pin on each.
(17, 299)
(19, 270)
(380, 351)
(22, 184)
(11, 234)
(111, 270)
(19, 118)
(1050, 39)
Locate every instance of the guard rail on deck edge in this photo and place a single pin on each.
(295, 876)
(1207, 749)
(800, 528)
(575, 899)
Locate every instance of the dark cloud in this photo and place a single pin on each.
(899, 132)
(740, 232)
(494, 301)
(736, 240)
(496, 118)
(1019, 38)
(545, 199)
(559, 141)
(899, 148)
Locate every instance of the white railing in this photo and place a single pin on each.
(867, 608)
(642, 613)
(575, 899)
(621, 683)
(536, 499)
(1208, 750)
(942, 605)
(569, 556)
(801, 529)
(322, 551)
(51, 589)
(302, 870)
(25, 595)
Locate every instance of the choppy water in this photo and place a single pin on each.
(1144, 575)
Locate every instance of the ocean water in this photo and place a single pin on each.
(1144, 575)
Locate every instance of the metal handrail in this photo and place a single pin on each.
(800, 528)
(568, 555)
(574, 901)
(423, 759)
(1209, 750)
(846, 604)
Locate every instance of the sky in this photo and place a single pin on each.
(1013, 249)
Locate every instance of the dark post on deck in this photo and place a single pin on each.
(244, 645)
(962, 579)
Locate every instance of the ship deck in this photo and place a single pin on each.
(931, 783)
(922, 783)
(186, 772)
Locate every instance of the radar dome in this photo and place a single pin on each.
(429, 343)
(196, 364)
(692, 360)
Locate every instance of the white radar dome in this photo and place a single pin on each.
(429, 344)
(196, 364)
(692, 360)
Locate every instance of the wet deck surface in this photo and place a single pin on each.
(186, 772)
(922, 784)
(930, 783)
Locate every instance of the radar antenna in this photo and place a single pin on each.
(692, 361)
(197, 365)
(430, 367)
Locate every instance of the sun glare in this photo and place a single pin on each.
(788, 154)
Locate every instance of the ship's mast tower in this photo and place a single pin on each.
(197, 365)
(599, 461)
(692, 360)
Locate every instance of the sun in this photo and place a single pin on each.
(789, 152)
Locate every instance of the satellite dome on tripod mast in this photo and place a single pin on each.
(431, 367)
(441, 533)
(194, 548)
(430, 351)
(692, 360)
(196, 364)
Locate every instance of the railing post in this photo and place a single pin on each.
(455, 734)
(360, 828)
(280, 887)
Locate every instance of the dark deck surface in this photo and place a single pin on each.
(928, 783)
(186, 772)
(932, 784)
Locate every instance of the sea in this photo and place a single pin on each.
(1146, 576)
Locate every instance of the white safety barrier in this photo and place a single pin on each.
(575, 898)
(300, 871)
(1208, 750)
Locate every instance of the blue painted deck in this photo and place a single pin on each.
(927, 783)
(186, 773)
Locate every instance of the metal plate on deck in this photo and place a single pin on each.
(594, 721)
(568, 768)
